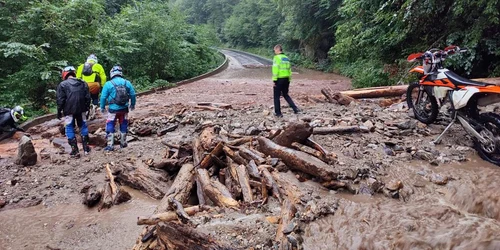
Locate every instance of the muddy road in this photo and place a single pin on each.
(448, 196)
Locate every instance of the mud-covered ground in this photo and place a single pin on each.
(448, 200)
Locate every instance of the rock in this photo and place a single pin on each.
(273, 219)
(388, 151)
(369, 125)
(438, 179)
(252, 131)
(394, 185)
(266, 112)
(26, 154)
(44, 154)
(407, 125)
(423, 155)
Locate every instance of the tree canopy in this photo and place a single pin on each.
(160, 41)
(151, 40)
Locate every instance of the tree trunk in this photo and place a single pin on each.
(213, 191)
(376, 92)
(340, 130)
(295, 132)
(298, 160)
(182, 237)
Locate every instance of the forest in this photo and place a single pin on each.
(159, 42)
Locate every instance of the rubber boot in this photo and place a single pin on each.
(123, 140)
(85, 144)
(75, 153)
(111, 141)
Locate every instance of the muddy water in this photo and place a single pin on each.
(74, 226)
(463, 214)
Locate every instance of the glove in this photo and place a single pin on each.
(275, 83)
(132, 108)
(59, 114)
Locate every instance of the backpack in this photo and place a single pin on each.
(87, 69)
(122, 96)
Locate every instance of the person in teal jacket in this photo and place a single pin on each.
(117, 92)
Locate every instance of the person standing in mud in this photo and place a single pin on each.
(117, 92)
(282, 75)
(94, 75)
(73, 101)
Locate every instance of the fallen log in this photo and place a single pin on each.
(312, 144)
(235, 156)
(170, 165)
(376, 92)
(170, 216)
(216, 152)
(179, 210)
(208, 138)
(295, 132)
(197, 158)
(249, 155)
(207, 108)
(298, 160)
(232, 182)
(179, 236)
(286, 226)
(269, 182)
(215, 104)
(180, 189)
(153, 183)
(118, 195)
(243, 179)
(253, 170)
(310, 151)
(340, 130)
(337, 97)
(212, 190)
(240, 141)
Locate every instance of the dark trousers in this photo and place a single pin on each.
(281, 89)
(95, 98)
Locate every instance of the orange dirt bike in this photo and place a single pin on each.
(438, 85)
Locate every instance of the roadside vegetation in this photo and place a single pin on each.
(159, 41)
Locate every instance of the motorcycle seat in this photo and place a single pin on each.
(458, 80)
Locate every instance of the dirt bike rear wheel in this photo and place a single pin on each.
(489, 151)
(422, 102)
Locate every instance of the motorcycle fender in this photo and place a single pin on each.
(489, 99)
(462, 97)
(418, 69)
(440, 92)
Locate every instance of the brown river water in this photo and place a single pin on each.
(74, 226)
(465, 214)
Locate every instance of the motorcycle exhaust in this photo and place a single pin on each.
(470, 129)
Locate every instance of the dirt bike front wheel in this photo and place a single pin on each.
(489, 149)
(423, 103)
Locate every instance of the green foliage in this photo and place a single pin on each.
(152, 41)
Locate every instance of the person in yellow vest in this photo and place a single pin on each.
(94, 75)
(282, 75)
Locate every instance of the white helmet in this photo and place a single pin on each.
(92, 58)
(17, 114)
(116, 71)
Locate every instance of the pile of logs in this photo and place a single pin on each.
(215, 172)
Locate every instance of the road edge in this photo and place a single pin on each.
(44, 118)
